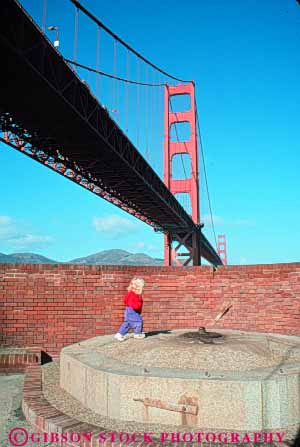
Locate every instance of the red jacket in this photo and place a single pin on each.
(131, 299)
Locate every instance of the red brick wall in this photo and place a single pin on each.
(55, 305)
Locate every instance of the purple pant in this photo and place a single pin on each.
(132, 320)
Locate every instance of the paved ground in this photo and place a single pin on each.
(11, 415)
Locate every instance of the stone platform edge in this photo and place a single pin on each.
(45, 418)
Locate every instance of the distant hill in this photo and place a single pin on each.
(106, 257)
(5, 258)
(25, 258)
(117, 257)
(103, 257)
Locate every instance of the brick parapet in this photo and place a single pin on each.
(57, 305)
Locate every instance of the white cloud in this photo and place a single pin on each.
(30, 241)
(15, 238)
(113, 225)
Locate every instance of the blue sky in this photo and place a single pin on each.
(244, 57)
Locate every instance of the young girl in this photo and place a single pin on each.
(134, 303)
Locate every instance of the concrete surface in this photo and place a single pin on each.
(11, 415)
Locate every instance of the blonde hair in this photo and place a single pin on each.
(138, 281)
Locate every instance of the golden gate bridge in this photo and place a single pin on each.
(100, 136)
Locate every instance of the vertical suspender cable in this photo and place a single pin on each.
(44, 21)
(151, 109)
(122, 42)
(118, 105)
(114, 108)
(138, 105)
(157, 123)
(126, 91)
(160, 120)
(98, 62)
(205, 174)
(154, 123)
(75, 42)
(147, 130)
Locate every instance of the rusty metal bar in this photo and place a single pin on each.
(179, 408)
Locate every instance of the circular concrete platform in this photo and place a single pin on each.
(248, 381)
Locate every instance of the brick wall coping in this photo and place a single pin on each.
(113, 268)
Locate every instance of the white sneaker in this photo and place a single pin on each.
(119, 337)
(139, 336)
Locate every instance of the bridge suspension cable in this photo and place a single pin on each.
(123, 112)
(111, 76)
(205, 175)
(115, 36)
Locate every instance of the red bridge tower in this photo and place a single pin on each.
(190, 185)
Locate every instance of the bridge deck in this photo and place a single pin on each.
(44, 101)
